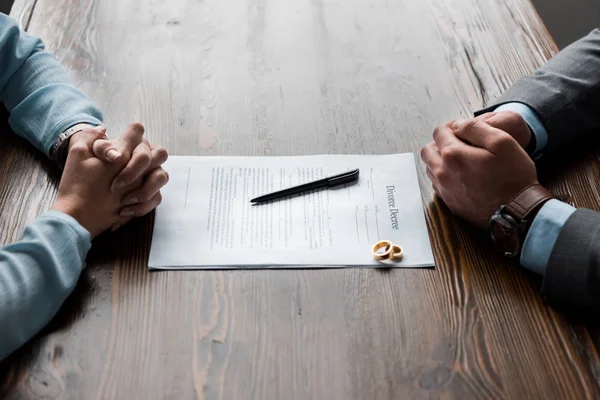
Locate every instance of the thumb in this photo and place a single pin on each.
(85, 139)
(80, 146)
(106, 150)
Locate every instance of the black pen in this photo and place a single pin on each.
(331, 181)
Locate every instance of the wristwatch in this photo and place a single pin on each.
(509, 225)
(59, 150)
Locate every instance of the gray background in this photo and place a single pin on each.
(567, 20)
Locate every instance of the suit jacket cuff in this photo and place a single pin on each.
(572, 268)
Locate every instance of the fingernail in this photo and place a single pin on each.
(118, 185)
(458, 124)
(127, 213)
(129, 201)
(112, 154)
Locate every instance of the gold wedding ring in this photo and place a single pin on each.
(386, 245)
(390, 251)
(397, 253)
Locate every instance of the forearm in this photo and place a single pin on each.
(37, 91)
(36, 276)
(564, 93)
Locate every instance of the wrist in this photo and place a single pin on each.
(71, 208)
(508, 227)
(72, 139)
(60, 148)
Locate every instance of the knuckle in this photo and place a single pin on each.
(427, 151)
(424, 152)
(97, 131)
(101, 131)
(162, 153)
(156, 200)
(451, 154)
(442, 135)
(473, 125)
(468, 126)
(165, 177)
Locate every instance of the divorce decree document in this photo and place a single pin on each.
(206, 219)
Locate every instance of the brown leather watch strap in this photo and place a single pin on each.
(528, 200)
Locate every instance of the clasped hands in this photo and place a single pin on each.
(477, 165)
(105, 183)
(474, 165)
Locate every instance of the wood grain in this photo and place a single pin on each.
(265, 77)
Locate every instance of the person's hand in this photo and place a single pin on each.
(143, 177)
(84, 191)
(475, 168)
(509, 122)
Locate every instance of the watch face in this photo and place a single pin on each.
(505, 232)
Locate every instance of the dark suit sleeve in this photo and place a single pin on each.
(565, 93)
(573, 271)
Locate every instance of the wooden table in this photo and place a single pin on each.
(267, 77)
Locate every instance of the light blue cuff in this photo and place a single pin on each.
(536, 126)
(542, 235)
(79, 230)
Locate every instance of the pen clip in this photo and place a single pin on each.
(343, 178)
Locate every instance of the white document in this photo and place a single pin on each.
(206, 219)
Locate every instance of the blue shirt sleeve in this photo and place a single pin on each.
(536, 126)
(37, 274)
(37, 91)
(543, 233)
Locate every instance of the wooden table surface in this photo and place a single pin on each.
(295, 77)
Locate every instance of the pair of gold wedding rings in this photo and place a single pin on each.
(390, 251)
